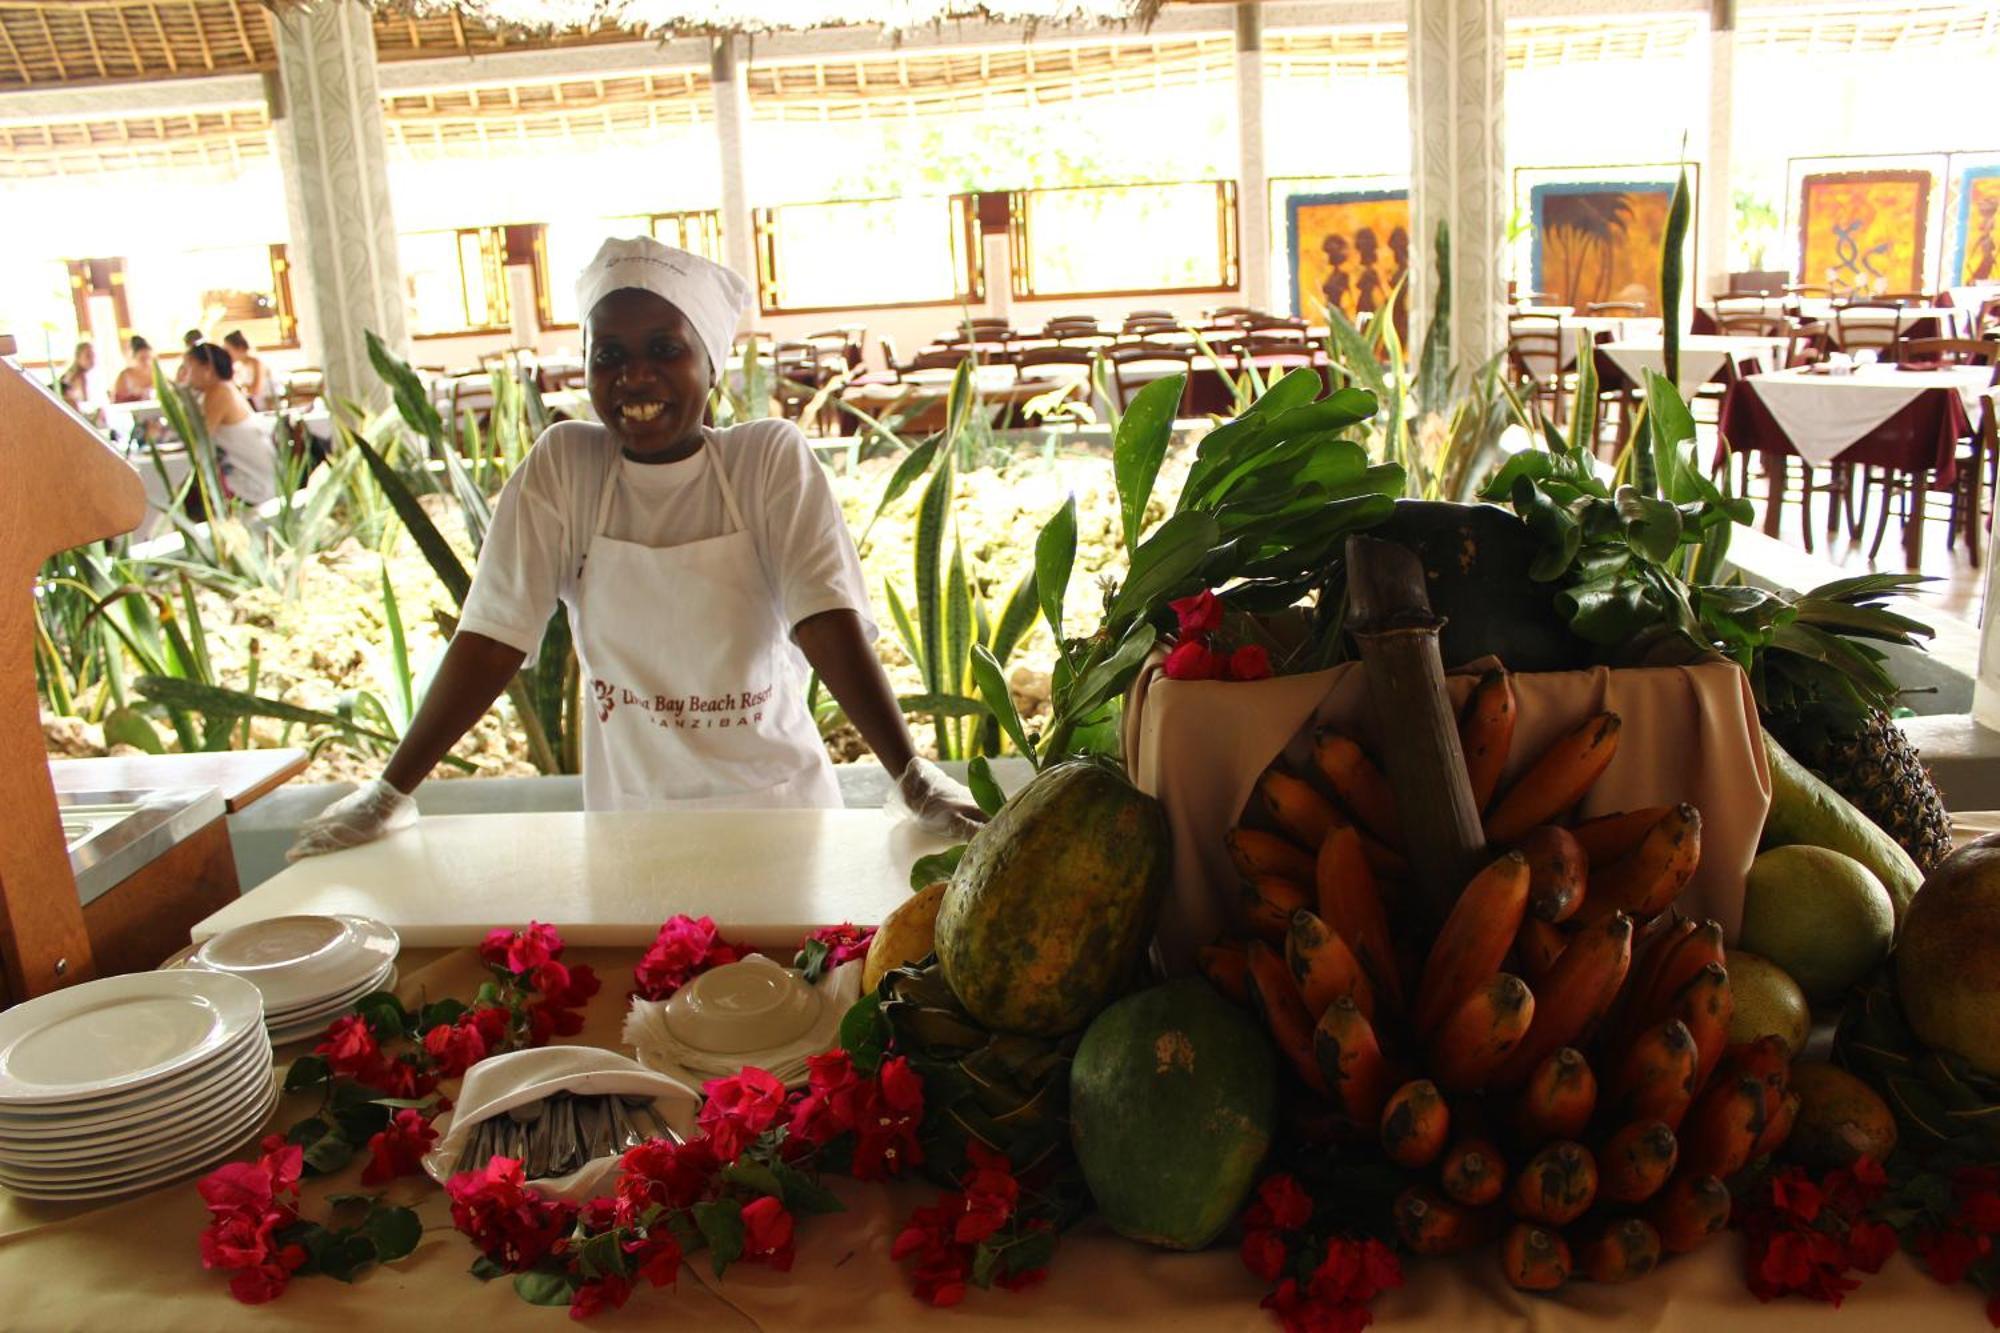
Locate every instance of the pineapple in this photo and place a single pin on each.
(1824, 694)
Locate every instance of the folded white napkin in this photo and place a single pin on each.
(646, 1031)
(499, 1083)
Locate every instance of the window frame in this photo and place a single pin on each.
(967, 246)
(1229, 242)
(492, 278)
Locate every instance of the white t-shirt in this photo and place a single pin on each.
(543, 523)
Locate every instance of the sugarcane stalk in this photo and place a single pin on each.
(1391, 619)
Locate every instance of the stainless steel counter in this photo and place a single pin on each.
(111, 835)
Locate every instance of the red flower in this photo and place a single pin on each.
(657, 1259)
(844, 942)
(1198, 615)
(1287, 1205)
(1264, 1253)
(684, 947)
(833, 1100)
(1192, 660)
(494, 1023)
(350, 1049)
(1299, 1312)
(247, 1208)
(399, 1150)
(1993, 1310)
(267, 1282)
(609, 1292)
(565, 986)
(1355, 1272)
(1949, 1255)
(989, 1193)
(402, 1080)
(510, 1224)
(767, 1233)
(666, 1173)
(886, 1125)
(1250, 662)
(942, 1283)
(736, 1110)
(455, 1047)
(1869, 1245)
(1794, 1194)
(522, 951)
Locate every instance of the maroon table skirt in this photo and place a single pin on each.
(1922, 437)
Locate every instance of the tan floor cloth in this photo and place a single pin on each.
(1686, 734)
(134, 1264)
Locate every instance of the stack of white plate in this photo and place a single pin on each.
(310, 969)
(130, 1082)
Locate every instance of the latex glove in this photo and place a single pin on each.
(938, 804)
(373, 810)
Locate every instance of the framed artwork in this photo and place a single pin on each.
(1863, 231)
(1976, 257)
(1348, 250)
(1599, 241)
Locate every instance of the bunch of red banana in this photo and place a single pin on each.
(1551, 1064)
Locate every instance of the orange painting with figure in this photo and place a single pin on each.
(1979, 226)
(1348, 250)
(1600, 242)
(1863, 231)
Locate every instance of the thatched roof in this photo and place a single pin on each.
(656, 18)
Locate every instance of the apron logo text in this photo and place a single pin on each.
(690, 712)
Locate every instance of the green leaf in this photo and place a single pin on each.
(991, 683)
(440, 1013)
(811, 960)
(127, 726)
(538, 1286)
(1162, 566)
(804, 1196)
(444, 561)
(328, 1153)
(941, 705)
(932, 512)
(1016, 619)
(899, 614)
(958, 622)
(986, 791)
(721, 1225)
(308, 1071)
(600, 1256)
(384, 1013)
(985, 1262)
(413, 401)
(753, 1176)
(864, 1033)
(1610, 611)
(928, 870)
(1109, 678)
(1055, 558)
(1673, 260)
(1138, 449)
(486, 1270)
(213, 701)
(1554, 530)
(393, 1231)
(1652, 526)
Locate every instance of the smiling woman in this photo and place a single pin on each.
(703, 570)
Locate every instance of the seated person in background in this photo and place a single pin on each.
(136, 380)
(74, 382)
(243, 454)
(252, 375)
(189, 340)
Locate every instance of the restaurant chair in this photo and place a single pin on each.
(1615, 309)
(1987, 325)
(1903, 299)
(847, 341)
(1134, 365)
(1854, 331)
(1153, 316)
(890, 361)
(941, 358)
(794, 379)
(1034, 358)
(1230, 314)
(1141, 325)
(1947, 352)
(1751, 324)
(1535, 355)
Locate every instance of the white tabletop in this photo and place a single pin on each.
(765, 876)
(1824, 415)
(1702, 356)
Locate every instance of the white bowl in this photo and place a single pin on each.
(753, 1005)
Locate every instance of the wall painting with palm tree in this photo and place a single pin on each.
(1598, 241)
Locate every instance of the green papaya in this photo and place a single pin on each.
(1173, 1094)
(1807, 812)
(1053, 902)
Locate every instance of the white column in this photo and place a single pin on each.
(327, 121)
(1718, 207)
(1458, 168)
(1253, 186)
(729, 84)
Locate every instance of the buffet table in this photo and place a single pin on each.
(608, 881)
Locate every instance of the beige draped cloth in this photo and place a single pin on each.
(134, 1264)
(1687, 734)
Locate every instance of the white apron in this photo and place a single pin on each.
(691, 693)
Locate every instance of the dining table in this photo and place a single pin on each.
(1907, 419)
(918, 398)
(133, 1262)
(1705, 358)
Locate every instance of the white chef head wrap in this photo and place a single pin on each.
(712, 297)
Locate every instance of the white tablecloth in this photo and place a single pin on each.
(1825, 415)
(1703, 355)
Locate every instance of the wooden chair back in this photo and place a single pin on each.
(1948, 352)
(1128, 358)
(1620, 309)
(1030, 358)
(1230, 314)
(1748, 325)
(940, 358)
(45, 450)
(1854, 330)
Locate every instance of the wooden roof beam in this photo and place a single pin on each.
(14, 52)
(55, 47)
(90, 37)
